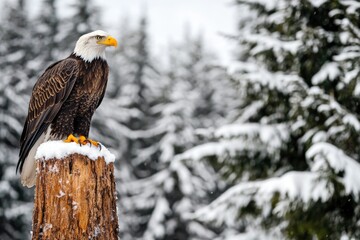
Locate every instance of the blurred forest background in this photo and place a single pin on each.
(265, 147)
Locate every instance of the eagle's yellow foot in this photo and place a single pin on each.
(95, 143)
(84, 141)
(71, 138)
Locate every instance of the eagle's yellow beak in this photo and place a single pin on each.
(108, 41)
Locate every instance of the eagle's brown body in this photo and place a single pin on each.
(88, 91)
(63, 102)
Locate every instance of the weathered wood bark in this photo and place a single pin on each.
(75, 198)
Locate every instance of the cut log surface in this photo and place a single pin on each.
(75, 198)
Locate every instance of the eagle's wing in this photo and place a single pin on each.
(48, 95)
(105, 79)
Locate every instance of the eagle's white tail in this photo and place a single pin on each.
(28, 173)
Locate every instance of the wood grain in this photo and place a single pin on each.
(75, 198)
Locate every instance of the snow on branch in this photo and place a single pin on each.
(337, 115)
(237, 138)
(250, 110)
(266, 132)
(60, 150)
(195, 183)
(147, 186)
(329, 71)
(221, 148)
(317, 3)
(253, 233)
(325, 156)
(268, 5)
(352, 5)
(264, 42)
(292, 186)
(156, 227)
(252, 73)
(348, 54)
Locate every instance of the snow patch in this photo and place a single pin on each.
(156, 228)
(305, 186)
(60, 150)
(325, 156)
(274, 134)
(317, 3)
(328, 71)
(357, 90)
(53, 169)
(250, 111)
(271, 43)
(97, 231)
(212, 149)
(47, 226)
(269, 5)
(352, 5)
(236, 138)
(74, 205)
(258, 76)
(61, 194)
(351, 120)
(292, 186)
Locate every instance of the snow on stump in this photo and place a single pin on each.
(75, 195)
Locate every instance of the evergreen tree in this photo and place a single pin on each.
(163, 200)
(143, 89)
(84, 20)
(15, 70)
(293, 150)
(193, 99)
(47, 28)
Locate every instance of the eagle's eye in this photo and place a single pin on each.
(98, 37)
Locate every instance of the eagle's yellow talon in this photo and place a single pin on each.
(83, 140)
(71, 138)
(92, 142)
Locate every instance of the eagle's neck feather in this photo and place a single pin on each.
(89, 53)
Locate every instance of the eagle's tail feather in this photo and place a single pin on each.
(28, 173)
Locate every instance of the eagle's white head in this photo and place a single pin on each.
(92, 45)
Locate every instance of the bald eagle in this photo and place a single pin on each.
(64, 100)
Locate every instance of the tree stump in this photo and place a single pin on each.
(75, 198)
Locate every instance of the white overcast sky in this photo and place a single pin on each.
(169, 18)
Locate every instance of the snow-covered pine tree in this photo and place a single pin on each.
(85, 19)
(15, 71)
(293, 150)
(47, 27)
(196, 97)
(191, 99)
(143, 90)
